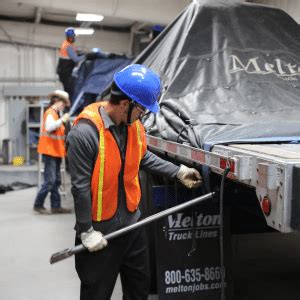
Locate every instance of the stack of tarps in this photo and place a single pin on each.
(230, 73)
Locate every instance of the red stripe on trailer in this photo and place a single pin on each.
(198, 156)
(223, 163)
(172, 147)
(153, 142)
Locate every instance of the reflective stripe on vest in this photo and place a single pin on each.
(53, 136)
(52, 143)
(139, 141)
(63, 53)
(101, 174)
(104, 184)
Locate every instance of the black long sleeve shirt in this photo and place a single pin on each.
(82, 145)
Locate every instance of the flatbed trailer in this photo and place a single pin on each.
(272, 169)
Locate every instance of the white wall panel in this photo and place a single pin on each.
(43, 61)
(3, 121)
(23, 64)
(10, 57)
(29, 54)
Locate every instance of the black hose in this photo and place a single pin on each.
(226, 171)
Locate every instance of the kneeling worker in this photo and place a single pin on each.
(52, 146)
(106, 148)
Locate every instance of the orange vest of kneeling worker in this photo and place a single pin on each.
(52, 143)
(104, 184)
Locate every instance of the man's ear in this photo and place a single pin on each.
(125, 103)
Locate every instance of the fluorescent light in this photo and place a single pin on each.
(80, 31)
(89, 17)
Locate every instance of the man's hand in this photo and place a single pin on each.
(93, 240)
(65, 117)
(189, 177)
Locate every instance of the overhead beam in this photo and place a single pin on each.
(37, 15)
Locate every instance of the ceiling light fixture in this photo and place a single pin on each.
(81, 31)
(88, 17)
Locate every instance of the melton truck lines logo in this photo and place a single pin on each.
(285, 71)
(181, 226)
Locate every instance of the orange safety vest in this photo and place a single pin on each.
(52, 143)
(104, 184)
(63, 53)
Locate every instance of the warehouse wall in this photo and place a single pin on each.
(21, 66)
(29, 54)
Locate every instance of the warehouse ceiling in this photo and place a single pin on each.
(119, 15)
(134, 18)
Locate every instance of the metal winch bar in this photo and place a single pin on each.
(80, 248)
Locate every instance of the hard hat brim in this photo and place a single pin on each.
(60, 95)
(154, 107)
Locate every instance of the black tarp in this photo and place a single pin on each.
(94, 77)
(230, 73)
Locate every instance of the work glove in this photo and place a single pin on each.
(93, 240)
(189, 177)
(65, 117)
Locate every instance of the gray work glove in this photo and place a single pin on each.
(93, 240)
(189, 177)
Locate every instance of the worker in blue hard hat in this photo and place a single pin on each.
(68, 59)
(106, 149)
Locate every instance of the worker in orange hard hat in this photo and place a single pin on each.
(52, 146)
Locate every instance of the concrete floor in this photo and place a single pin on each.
(27, 242)
(266, 266)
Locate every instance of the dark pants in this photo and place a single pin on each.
(98, 271)
(68, 83)
(51, 183)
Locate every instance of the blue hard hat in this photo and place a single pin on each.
(140, 84)
(70, 32)
(158, 28)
